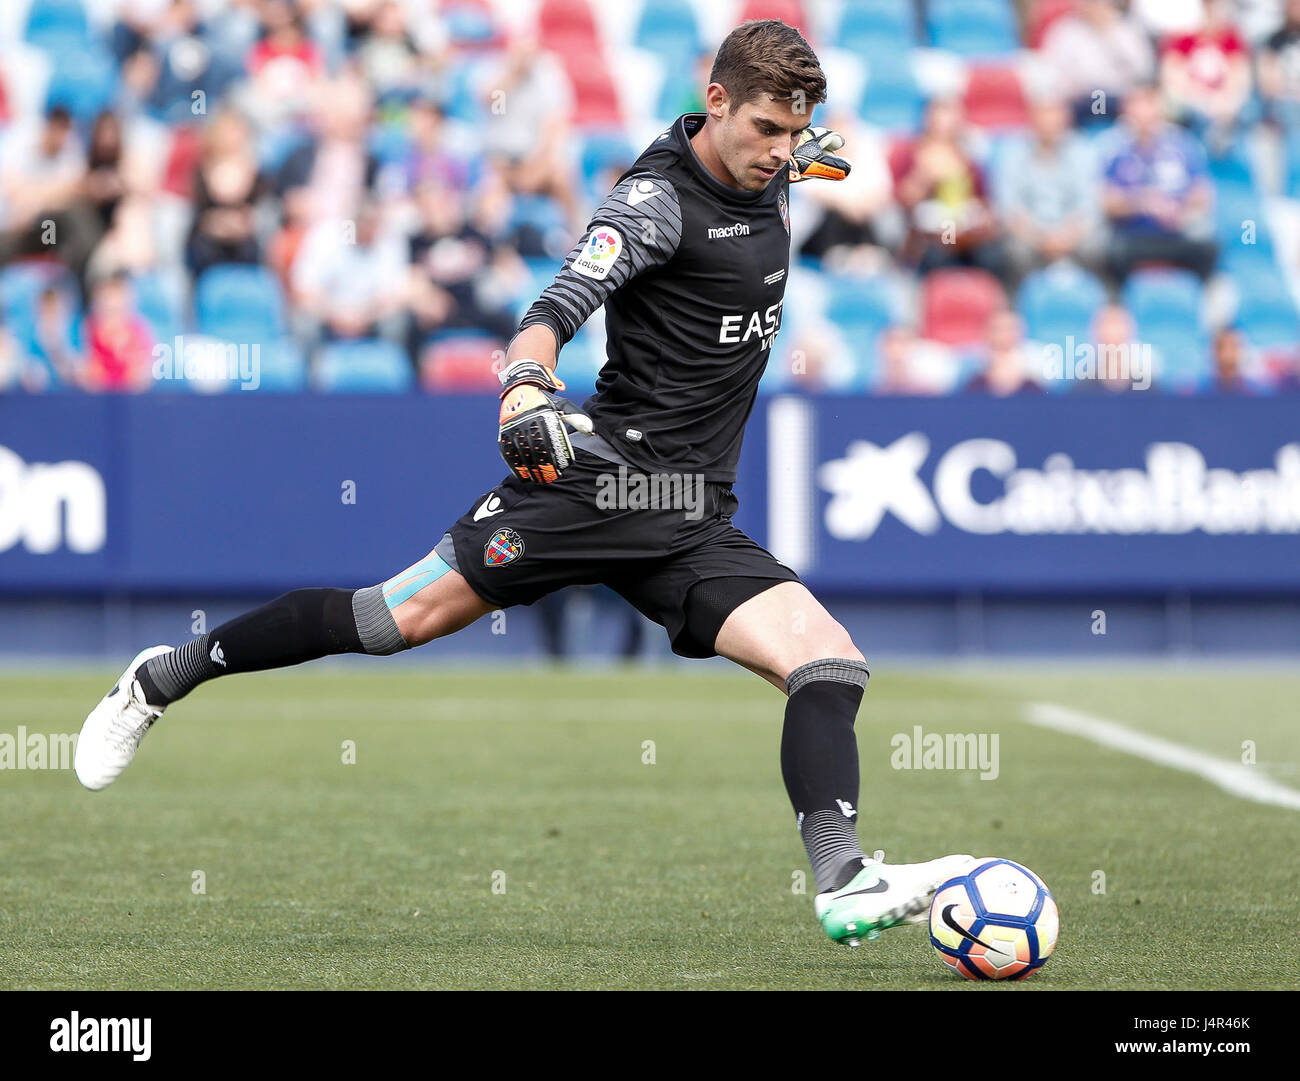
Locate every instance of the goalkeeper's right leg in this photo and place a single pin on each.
(426, 601)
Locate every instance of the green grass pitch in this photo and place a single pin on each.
(503, 828)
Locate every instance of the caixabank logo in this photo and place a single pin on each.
(1172, 490)
(45, 506)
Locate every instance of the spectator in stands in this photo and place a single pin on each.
(285, 65)
(1097, 56)
(428, 157)
(941, 190)
(388, 56)
(1114, 334)
(527, 104)
(11, 362)
(911, 365)
(351, 281)
(329, 175)
(1205, 74)
(1045, 186)
(841, 228)
(1234, 363)
(227, 187)
(129, 243)
(105, 182)
(42, 211)
(51, 360)
(183, 69)
(118, 340)
(453, 268)
(1279, 70)
(1008, 364)
(1157, 194)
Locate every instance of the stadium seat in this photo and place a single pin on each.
(855, 303)
(282, 369)
(602, 150)
(1266, 311)
(371, 366)
(595, 99)
(1166, 305)
(460, 361)
(891, 98)
(669, 29)
(880, 28)
(995, 98)
(956, 304)
(239, 303)
(567, 27)
(790, 12)
(83, 80)
(973, 28)
(1042, 14)
(471, 24)
(1058, 302)
(159, 304)
(21, 285)
(56, 25)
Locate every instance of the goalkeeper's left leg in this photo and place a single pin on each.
(426, 601)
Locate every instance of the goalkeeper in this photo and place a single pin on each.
(689, 254)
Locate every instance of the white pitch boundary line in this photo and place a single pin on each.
(1247, 782)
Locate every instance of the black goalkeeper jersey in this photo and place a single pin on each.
(692, 274)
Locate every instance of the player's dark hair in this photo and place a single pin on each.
(765, 56)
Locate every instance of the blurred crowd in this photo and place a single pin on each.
(1047, 196)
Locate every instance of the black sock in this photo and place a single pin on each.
(296, 627)
(819, 763)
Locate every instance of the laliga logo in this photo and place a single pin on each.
(1175, 493)
(42, 505)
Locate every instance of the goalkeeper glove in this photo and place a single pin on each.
(532, 438)
(812, 156)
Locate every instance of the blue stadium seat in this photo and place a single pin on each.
(1166, 304)
(239, 303)
(602, 150)
(872, 28)
(21, 285)
(84, 80)
(1267, 311)
(283, 369)
(55, 25)
(1058, 302)
(891, 98)
(669, 29)
(373, 366)
(970, 28)
(158, 304)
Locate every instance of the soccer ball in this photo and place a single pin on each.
(997, 922)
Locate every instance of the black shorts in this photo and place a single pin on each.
(520, 541)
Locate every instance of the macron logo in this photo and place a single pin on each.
(218, 657)
(490, 506)
(641, 191)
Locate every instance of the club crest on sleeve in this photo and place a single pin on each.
(784, 207)
(598, 255)
(504, 546)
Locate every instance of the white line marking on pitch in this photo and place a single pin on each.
(1248, 782)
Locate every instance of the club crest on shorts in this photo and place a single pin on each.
(784, 207)
(505, 546)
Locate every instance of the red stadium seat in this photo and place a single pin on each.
(956, 305)
(565, 25)
(1041, 16)
(595, 100)
(995, 98)
(790, 12)
(460, 363)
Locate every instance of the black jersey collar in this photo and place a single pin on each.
(687, 125)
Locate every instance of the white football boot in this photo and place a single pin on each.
(114, 729)
(884, 895)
